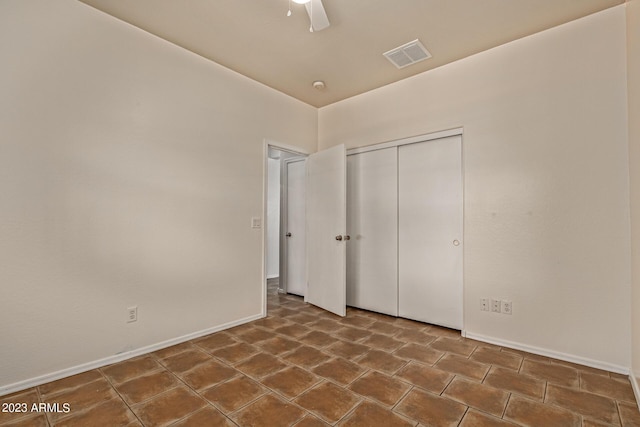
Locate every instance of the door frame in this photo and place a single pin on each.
(267, 144)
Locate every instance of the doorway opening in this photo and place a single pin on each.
(284, 255)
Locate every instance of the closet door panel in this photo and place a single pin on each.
(430, 231)
(372, 252)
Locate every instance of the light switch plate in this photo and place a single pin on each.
(256, 222)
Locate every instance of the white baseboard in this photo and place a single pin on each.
(550, 353)
(42, 379)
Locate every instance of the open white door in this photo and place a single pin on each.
(326, 213)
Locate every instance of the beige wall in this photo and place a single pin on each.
(546, 181)
(129, 173)
(633, 81)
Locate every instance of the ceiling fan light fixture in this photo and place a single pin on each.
(301, 1)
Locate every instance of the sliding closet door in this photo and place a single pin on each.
(430, 231)
(372, 223)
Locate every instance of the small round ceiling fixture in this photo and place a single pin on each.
(319, 85)
(301, 1)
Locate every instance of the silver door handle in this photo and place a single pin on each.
(288, 234)
(338, 237)
(456, 242)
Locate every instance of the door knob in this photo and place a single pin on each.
(456, 242)
(288, 234)
(338, 237)
(347, 237)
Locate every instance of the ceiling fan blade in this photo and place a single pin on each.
(317, 15)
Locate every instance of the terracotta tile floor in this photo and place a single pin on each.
(305, 367)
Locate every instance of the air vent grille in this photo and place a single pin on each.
(407, 54)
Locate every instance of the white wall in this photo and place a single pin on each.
(129, 173)
(273, 218)
(633, 82)
(546, 180)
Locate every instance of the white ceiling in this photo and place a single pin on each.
(257, 39)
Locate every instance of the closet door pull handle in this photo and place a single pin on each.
(347, 237)
(288, 234)
(338, 237)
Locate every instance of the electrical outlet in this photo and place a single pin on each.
(132, 315)
(495, 305)
(484, 304)
(507, 307)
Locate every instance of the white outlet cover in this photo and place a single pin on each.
(484, 304)
(496, 305)
(132, 314)
(507, 307)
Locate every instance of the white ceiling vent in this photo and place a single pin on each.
(407, 54)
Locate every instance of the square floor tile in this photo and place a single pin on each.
(110, 413)
(369, 414)
(381, 327)
(173, 350)
(278, 345)
(293, 331)
(328, 401)
(380, 387)
(431, 410)
(629, 414)
(54, 387)
(351, 334)
(83, 397)
(348, 350)
(131, 368)
(291, 381)
(496, 357)
(533, 414)
(510, 380)
(588, 404)
(256, 335)
(214, 341)
(260, 365)
(186, 360)
(306, 356)
(415, 336)
(477, 419)
(382, 361)
(456, 346)
(425, 377)
(208, 374)
(28, 397)
(142, 388)
(169, 407)
(485, 398)
(236, 352)
(557, 374)
(462, 366)
(606, 386)
(421, 353)
(339, 370)
(382, 342)
(234, 394)
(206, 417)
(268, 411)
(317, 339)
(311, 421)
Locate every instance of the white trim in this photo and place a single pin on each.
(43, 379)
(405, 141)
(549, 353)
